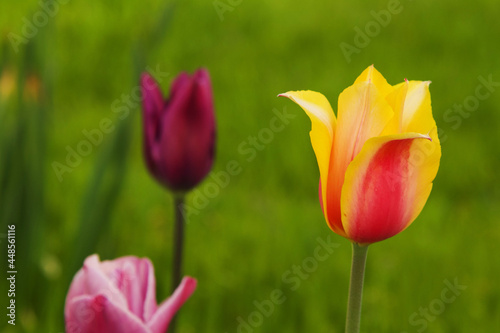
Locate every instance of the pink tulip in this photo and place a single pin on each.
(119, 296)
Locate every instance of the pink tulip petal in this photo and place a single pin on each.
(98, 282)
(97, 314)
(150, 304)
(78, 286)
(134, 277)
(161, 319)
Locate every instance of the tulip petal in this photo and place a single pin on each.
(363, 114)
(97, 282)
(166, 311)
(374, 76)
(78, 286)
(417, 114)
(396, 100)
(387, 185)
(322, 132)
(152, 106)
(179, 82)
(98, 314)
(134, 277)
(152, 97)
(188, 132)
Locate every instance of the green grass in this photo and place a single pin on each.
(268, 218)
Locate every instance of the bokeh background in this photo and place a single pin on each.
(83, 62)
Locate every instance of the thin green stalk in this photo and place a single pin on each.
(178, 240)
(356, 288)
(178, 249)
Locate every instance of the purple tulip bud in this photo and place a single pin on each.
(179, 132)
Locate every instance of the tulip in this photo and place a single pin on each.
(179, 139)
(179, 132)
(377, 159)
(119, 296)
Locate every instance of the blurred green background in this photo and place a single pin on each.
(245, 241)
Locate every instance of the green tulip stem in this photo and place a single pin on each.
(356, 288)
(178, 249)
(178, 241)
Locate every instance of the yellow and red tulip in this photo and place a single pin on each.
(377, 159)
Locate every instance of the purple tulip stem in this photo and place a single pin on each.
(178, 248)
(356, 288)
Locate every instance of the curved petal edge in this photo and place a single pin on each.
(323, 125)
(387, 185)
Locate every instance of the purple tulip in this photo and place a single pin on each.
(119, 296)
(179, 132)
